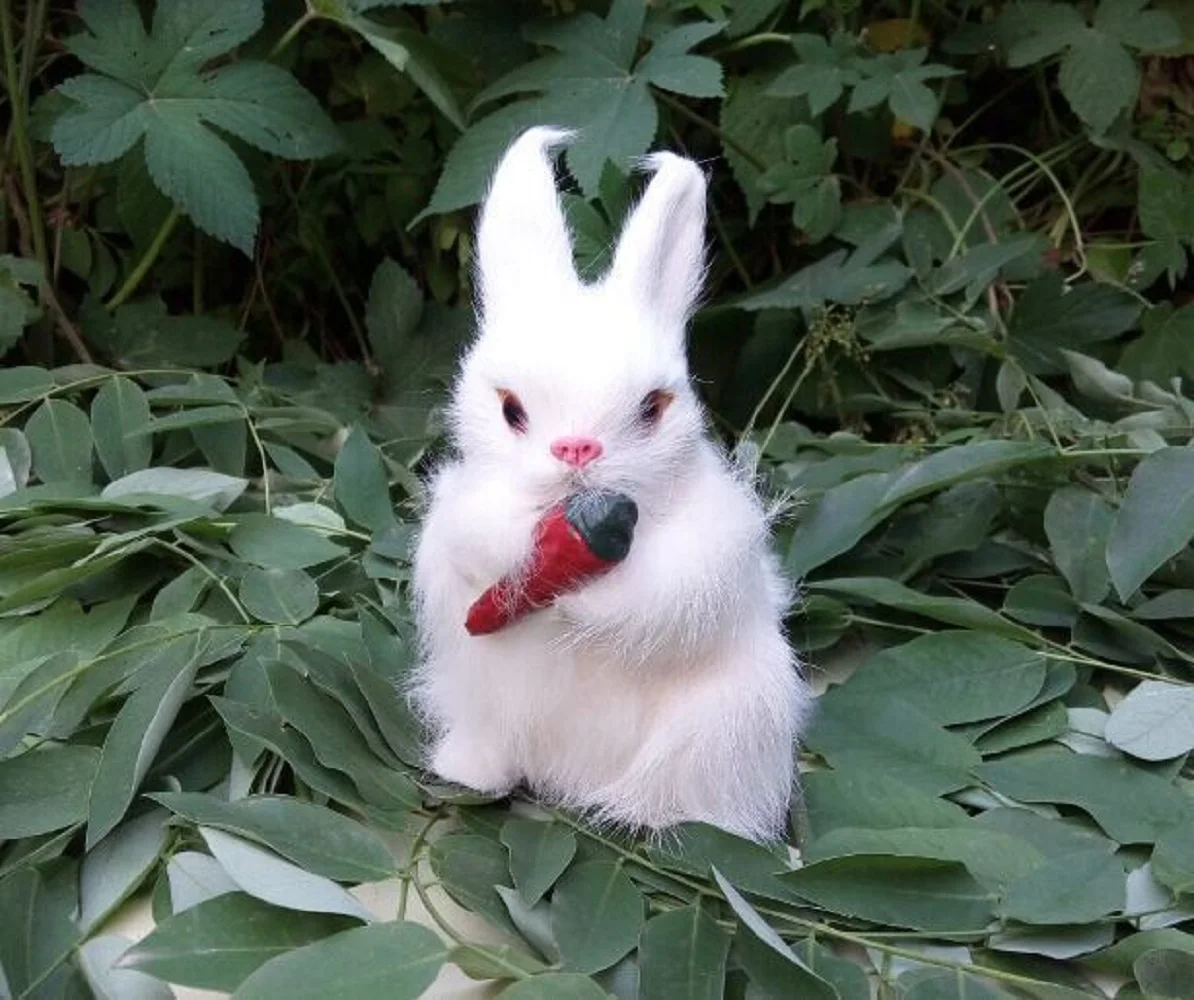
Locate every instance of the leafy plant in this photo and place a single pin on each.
(948, 311)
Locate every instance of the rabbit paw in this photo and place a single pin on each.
(465, 760)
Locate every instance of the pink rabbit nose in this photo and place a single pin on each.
(577, 451)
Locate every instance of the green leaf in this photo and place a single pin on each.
(263, 874)
(853, 797)
(767, 959)
(1133, 806)
(336, 739)
(218, 944)
(279, 596)
(682, 955)
(97, 958)
(117, 865)
(34, 697)
(362, 491)
(670, 66)
(36, 911)
(155, 88)
(1155, 521)
(45, 789)
(992, 857)
(1078, 523)
(891, 737)
(1165, 975)
(1050, 317)
(408, 51)
(596, 914)
(59, 435)
(21, 383)
(1173, 859)
(556, 986)
(398, 960)
(195, 878)
(200, 485)
(953, 677)
(1074, 889)
(1166, 348)
(539, 854)
(273, 543)
(899, 892)
(394, 312)
(1154, 722)
(1099, 78)
(137, 734)
(470, 866)
(119, 412)
(314, 837)
(143, 335)
(823, 73)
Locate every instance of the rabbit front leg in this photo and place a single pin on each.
(473, 532)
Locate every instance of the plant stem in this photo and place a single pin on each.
(20, 134)
(291, 34)
(137, 275)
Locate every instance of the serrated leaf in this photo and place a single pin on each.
(394, 312)
(60, 438)
(218, 944)
(596, 914)
(153, 88)
(323, 842)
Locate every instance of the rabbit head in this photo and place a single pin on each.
(573, 385)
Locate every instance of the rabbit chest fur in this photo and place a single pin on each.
(664, 691)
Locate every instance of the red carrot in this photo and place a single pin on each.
(579, 539)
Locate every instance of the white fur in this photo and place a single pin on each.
(664, 691)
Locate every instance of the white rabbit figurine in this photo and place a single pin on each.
(664, 691)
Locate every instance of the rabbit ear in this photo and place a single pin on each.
(660, 259)
(523, 242)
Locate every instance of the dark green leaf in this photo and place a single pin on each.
(539, 853)
(596, 914)
(274, 543)
(137, 734)
(899, 892)
(1165, 975)
(118, 412)
(556, 986)
(360, 483)
(279, 596)
(855, 797)
(45, 789)
(682, 955)
(218, 944)
(313, 836)
(1073, 889)
(59, 436)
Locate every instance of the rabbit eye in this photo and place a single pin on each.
(650, 410)
(512, 411)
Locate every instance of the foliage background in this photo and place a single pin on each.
(949, 307)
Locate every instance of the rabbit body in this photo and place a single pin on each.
(664, 691)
